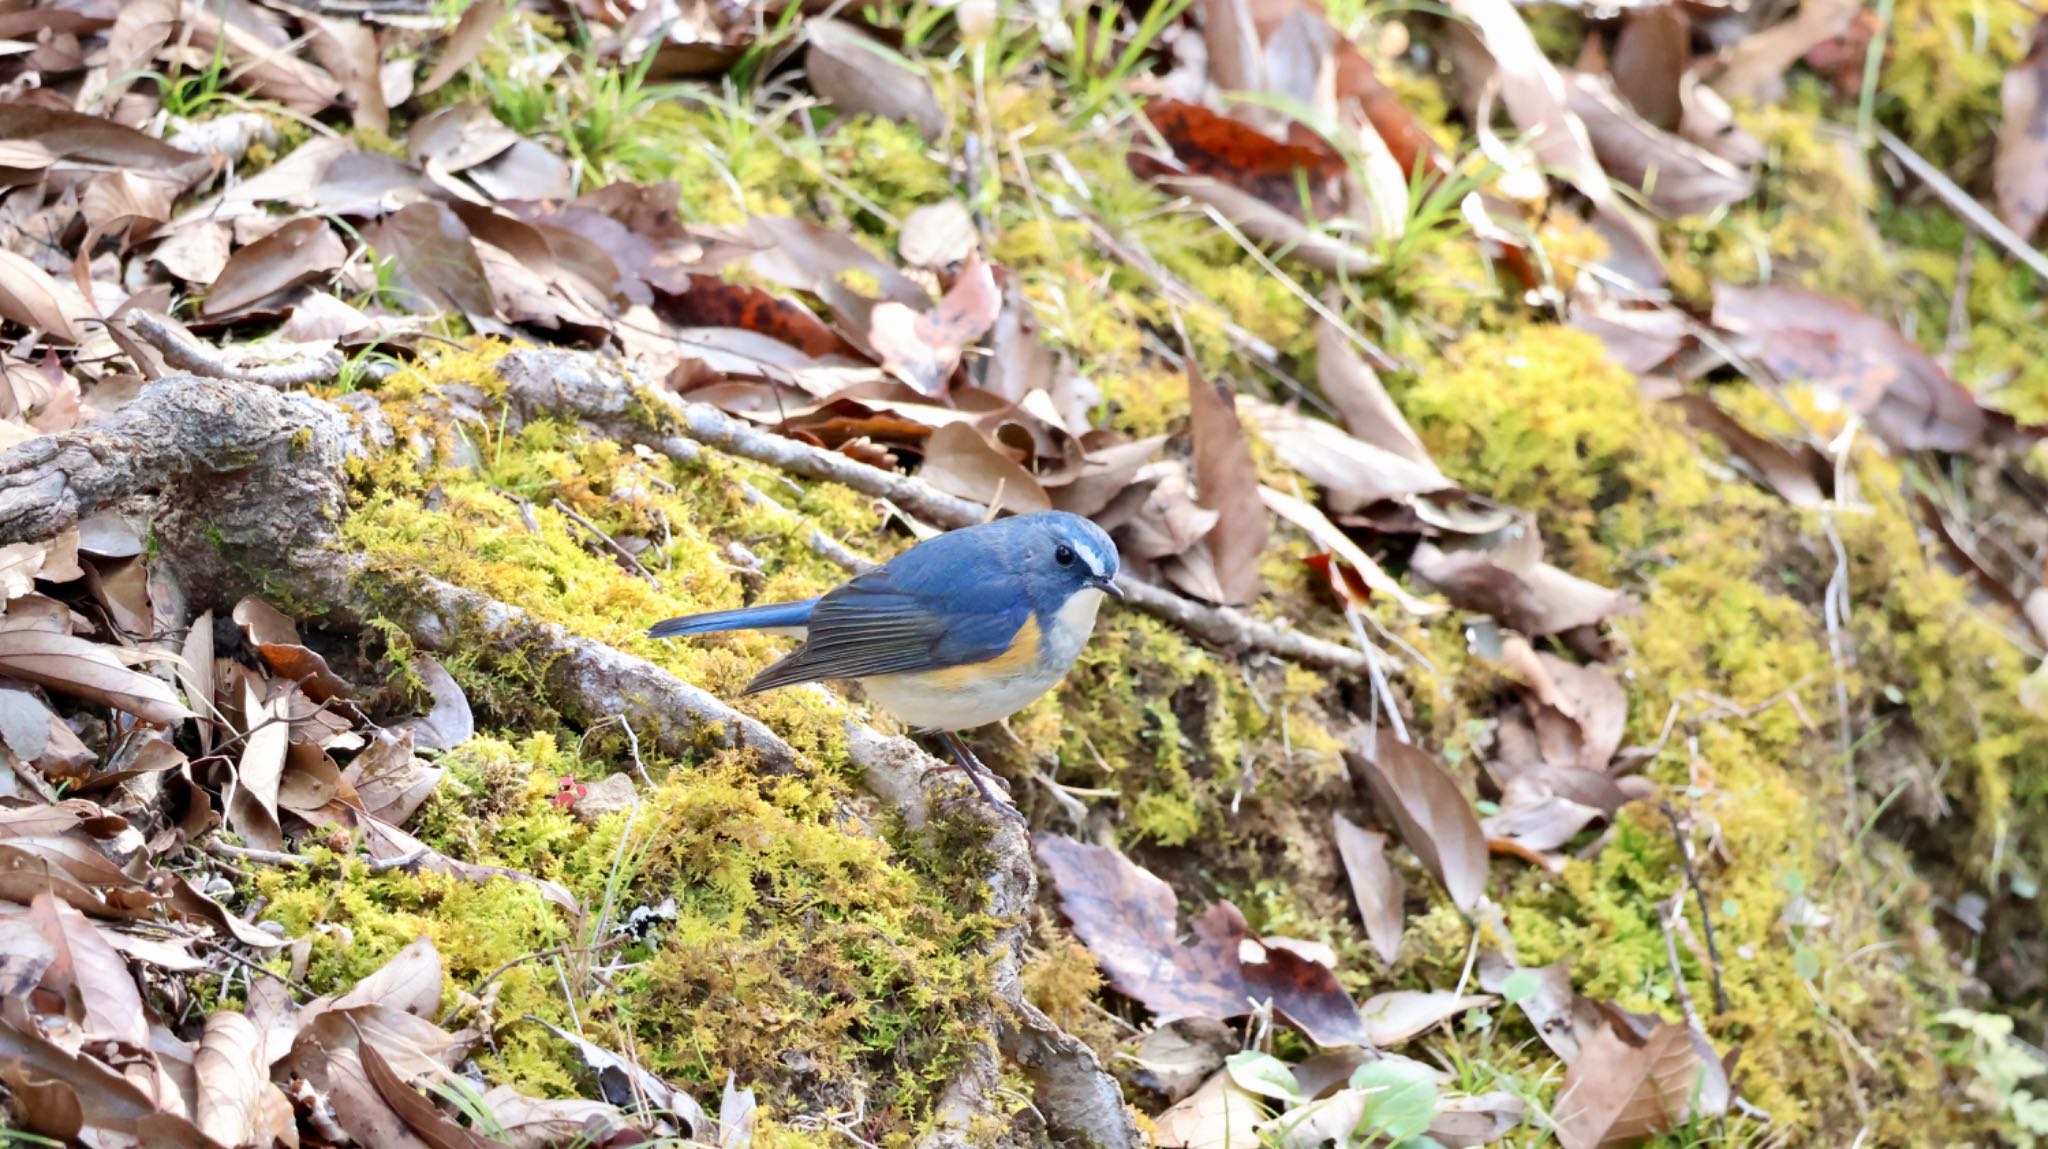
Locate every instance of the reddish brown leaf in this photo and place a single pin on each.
(1126, 917)
(1620, 1094)
(1909, 400)
(1651, 56)
(2020, 176)
(923, 349)
(287, 257)
(1431, 813)
(1240, 156)
(1375, 887)
(713, 302)
(1227, 482)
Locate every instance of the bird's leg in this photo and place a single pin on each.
(976, 773)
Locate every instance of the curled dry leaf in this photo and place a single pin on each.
(1537, 600)
(71, 665)
(252, 807)
(391, 781)
(31, 298)
(959, 461)
(857, 74)
(1579, 712)
(1431, 813)
(1126, 917)
(1328, 536)
(1180, 1055)
(1375, 887)
(1351, 471)
(1350, 383)
(923, 349)
(2020, 175)
(1858, 358)
(1536, 96)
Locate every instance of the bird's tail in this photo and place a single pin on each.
(774, 617)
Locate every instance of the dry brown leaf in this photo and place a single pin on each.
(1537, 600)
(1431, 813)
(266, 70)
(1352, 472)
(959, 461)
(1399, 1016)
(1652, 54)
(418, 1113)
(1579, 712)
(1797, 470)
(1227, 482)
(923, 348)
(71, 665)
(1676, 177)
(196, 252)
(1326, 535)
(234, 1081)
(1620, 1093)
(252, 807)
(293, 254)
(1866, 363)
(1754, 68)
(434, 262)
(31, 297)
(938, 235)
(361, 1110)
(1127, 917)
(87, 971)
(857, 74)
(124, 203)
(1535, 96)
(349, 51)
(449, 724)
(1350, 383)
(1176, 1058)
(1468, 1122)
(2020, 176)
(97, 140)
(1375, 887)
(464, 44)
(537, 1123)
(391, 781)
(458, 137)
(1220, 1115)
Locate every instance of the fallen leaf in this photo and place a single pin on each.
(1351, 471)
(536, 1123)
(1537, 600)
(1328, 536)
(361, 1110)
(1620, 1093)
(625, 1084)
(71, 665)
(1126, 917)
(419, 1114)
(95, 139)
(857, 74)
(1468, 1122)
(105, 1099)
(30, 297)
(293, 254)
(125, 204)
(1434, 819)
(235, 1093)
(252, 806)
(1234, 153)
(923, 349)
(1544, 994)
(1536, 96)
(1579, 712)
(349, 51)
(90, 975)
(1232, 41)
(959, 461)
(1177, 1057)
(1676, 177)
(464, 44)
(391, 781)
(1375, 887)
(435, 265)
(387, 843)
(1797, 470)
(1862, 361)
(1392, 1099)
(938, 235)
(1227, 482)
(1220, 1115)
(196, 252)
(1350, 383)
(1399, 1016)
(1652, 53)
(2020, 175)
(1754, 69)
(457, 137)
(1639, 339)
(449, 724)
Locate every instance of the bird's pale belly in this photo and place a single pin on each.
(950, 700)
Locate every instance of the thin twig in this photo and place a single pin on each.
(611, 543)
(455, 1010)
(220, 849)
(1699, 893)
(186, 353)
(399, 861)
(1964, 204)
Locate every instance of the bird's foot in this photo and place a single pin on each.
(979, 775)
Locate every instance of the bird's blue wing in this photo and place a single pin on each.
(875, 625)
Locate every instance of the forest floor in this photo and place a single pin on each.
(1578, 479)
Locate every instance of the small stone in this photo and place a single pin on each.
(610, 795)
(274, 929)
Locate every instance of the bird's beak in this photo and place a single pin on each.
(1109, 587)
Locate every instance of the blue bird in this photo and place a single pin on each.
(957, 632)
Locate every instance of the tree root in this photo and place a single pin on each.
(250, 492)
(185, 352)
(551, 384)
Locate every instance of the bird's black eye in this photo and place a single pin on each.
(1063, 555)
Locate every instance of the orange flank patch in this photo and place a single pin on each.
(1021, 657)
